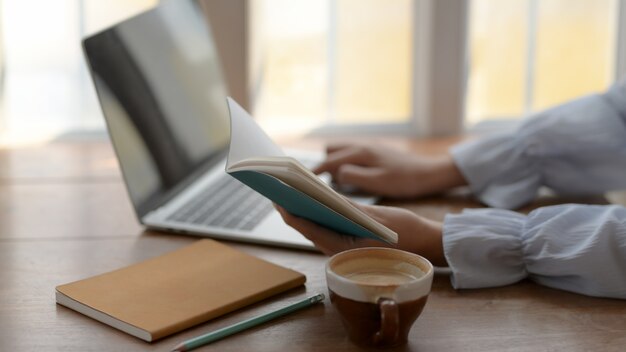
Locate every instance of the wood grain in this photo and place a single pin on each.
(64, 215)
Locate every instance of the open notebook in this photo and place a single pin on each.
(175, 291)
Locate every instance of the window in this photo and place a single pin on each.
(46, 89)
(528, 55)
(396, 66)
(351, 62)
(331, 62)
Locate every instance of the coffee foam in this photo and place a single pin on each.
(397, 271)
(381, 277)
(348, 275)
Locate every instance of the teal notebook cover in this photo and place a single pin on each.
(300, 204)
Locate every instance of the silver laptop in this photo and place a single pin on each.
(163, 96)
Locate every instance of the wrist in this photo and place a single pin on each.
(437, 255)
(424, 237)
(439, 174)
(449, 172)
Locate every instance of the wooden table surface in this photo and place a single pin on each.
(65, 215)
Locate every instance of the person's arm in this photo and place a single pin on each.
(388, 172)
(577, 248)
(415, 233)
(576, 148)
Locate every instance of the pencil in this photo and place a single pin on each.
(246, 324)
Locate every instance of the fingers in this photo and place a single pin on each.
(390, 217)
(341, 156)
(328, 241)
(333, 147)
(365, 178)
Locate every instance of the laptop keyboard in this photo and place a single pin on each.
(227, 203)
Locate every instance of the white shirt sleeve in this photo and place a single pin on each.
(576, 148)
(577, 248)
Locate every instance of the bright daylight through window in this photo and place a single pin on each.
(527, 55)
(344, 61)
(46, 90)
(320, 63)
(348, 61)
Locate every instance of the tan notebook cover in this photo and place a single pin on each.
(175, 291)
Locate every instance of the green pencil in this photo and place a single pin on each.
(246, 324)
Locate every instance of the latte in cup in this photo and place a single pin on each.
(382, 277)
(378, 293)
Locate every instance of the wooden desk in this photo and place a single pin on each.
(64, 215)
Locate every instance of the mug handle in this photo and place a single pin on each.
(389, 321)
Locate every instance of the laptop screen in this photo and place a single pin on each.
(161, 90)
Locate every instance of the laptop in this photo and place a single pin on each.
(163, 96)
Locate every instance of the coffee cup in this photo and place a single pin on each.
(378, 293)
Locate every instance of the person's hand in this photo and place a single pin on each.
(389, 172)
(415, 234)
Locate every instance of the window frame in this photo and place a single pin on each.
(439, 76)
(508, 123)
(620, 59)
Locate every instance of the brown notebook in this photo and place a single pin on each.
(175, 291)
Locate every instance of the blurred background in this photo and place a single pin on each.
(316, 63)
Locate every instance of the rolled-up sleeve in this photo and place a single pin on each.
(576, 148)
(577, 248)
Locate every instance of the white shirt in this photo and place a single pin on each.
(575, 148)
